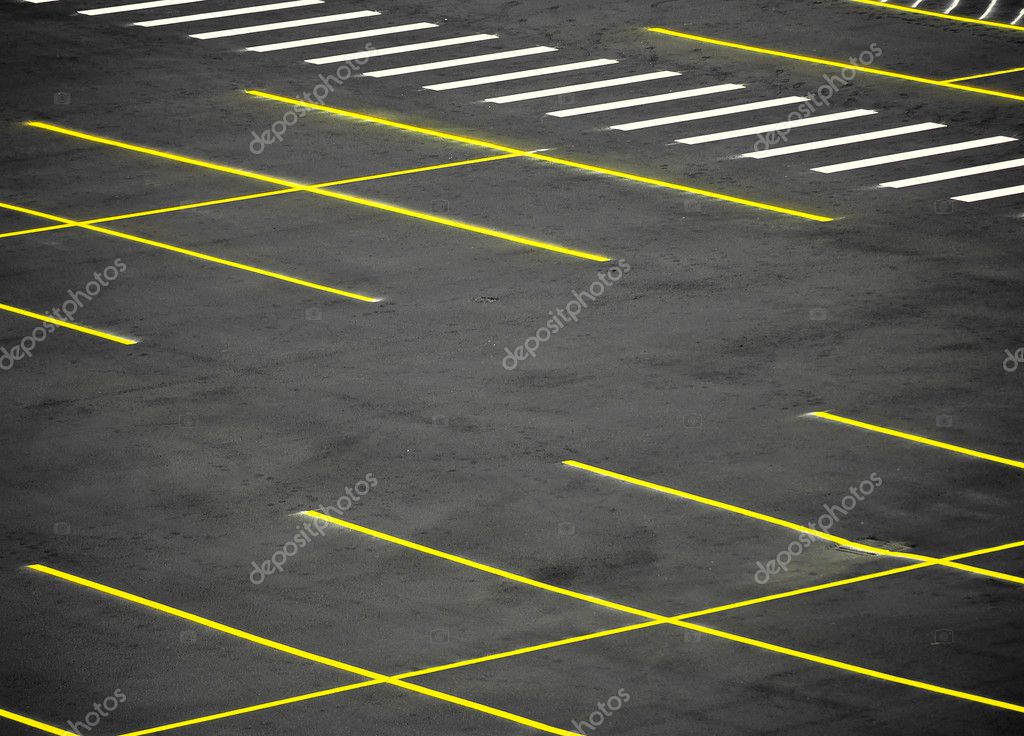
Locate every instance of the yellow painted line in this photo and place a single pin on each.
(717, 633)
(33, 723)
(258, 195)
(1017, 580)
(916, 438)
(295, 652)
(989, 74)
(944, 16)
(537, 156)
(191, 253)
(253, 708)
(581, 638)
(838, 64)
(394, 209)
(68, 325)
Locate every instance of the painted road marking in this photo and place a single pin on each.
(368, 33)
(774, 127)
(838, 64)
(625, 175)
(844, 140)
(252, 9)
(191, 253)
(989, 74)
(714, 113)
(408, 48)
(245, 30)
(260, 195)
(739, 510)
(717, 633)
(262, 641)
(404, 211)
(648, 100)
(584, 87)
(946, 16)
(25, 720)
(464, 61)
(954, 174)
(915, 438)
(68, 325)
(915, 154)
(136, 6)
(990, 194)
(526, 74)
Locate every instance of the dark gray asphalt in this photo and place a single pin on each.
(168, 468)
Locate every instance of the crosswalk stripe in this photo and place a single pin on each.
(649, 100)
(227, 13)
(464, 61)
(991, 194)
(136, 6)
(843, 140)
(477, 81)
(244, 30)
(369, 33)
(584, 87)
(774, 127)
(954, 174)
(702, 114)
(910, 155)
(387, 51)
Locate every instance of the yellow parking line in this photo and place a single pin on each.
(259, 195)
(1017, 580)
(295, 652)
(191, 253)
(945, 16)
(916, 438)
(33, 723)
(254, 708)
(394, 209)
(989, 74)
(717, 633)
(838, 64)
(537, 156)
(68, 325)
(575, 639)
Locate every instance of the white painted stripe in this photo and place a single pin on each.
(585, 87)
(1015, 163)
(464, 61)
(772, 127)
(843, 140)
(650, 100)
(227, 13)
(910, 155)
(245, 30)
(371, 53)
(991, 194)
(40, 2)
(341, 37)
(540, 72)
(702, 114)
(136, 6)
